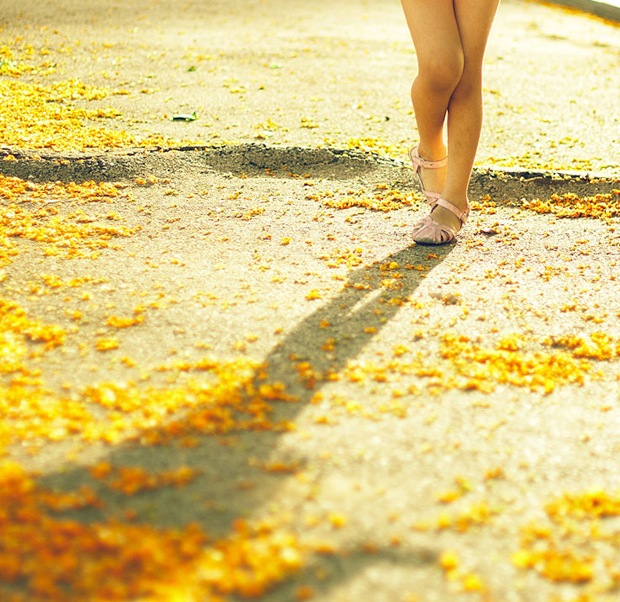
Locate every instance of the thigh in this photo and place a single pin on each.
(434, 31)
(474, 19)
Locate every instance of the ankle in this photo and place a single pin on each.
(432, 152)
(460, 200)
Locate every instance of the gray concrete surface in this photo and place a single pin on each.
(439, 403)
(606, 10)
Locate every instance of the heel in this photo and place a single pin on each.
(418, 163)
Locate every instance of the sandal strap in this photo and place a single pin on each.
(432, 197)
(418, 162)
(460, 214)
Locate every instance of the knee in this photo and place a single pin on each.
(469, 84)
(442, 73)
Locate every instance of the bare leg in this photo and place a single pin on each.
(450, 37)
(474, 19)
(440, 65)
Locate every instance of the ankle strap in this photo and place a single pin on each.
(460, 214)
(419, 162)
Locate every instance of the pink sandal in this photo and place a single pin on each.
(419, 163)
(429, 232)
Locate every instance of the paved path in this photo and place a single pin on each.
(244, 339)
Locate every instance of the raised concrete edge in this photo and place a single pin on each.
(603, 10)
(253, 160)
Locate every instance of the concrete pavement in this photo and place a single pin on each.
(234, 331)
(606, 9)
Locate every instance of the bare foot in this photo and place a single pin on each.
(443, 216)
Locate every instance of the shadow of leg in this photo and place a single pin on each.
(101, 527)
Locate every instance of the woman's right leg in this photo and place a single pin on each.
(474, 19)
(436, 38)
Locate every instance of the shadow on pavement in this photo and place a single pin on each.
(233, 483)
